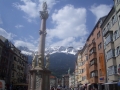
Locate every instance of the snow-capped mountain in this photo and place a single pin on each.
(51, 50)
(60, 49)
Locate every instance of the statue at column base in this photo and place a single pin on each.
(33, 62)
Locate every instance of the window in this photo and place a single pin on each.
(99, 46)
(92, 62)
(83, 78)
(93, 40)
(112, 70)
(110, 54)
(93, 74)
(114, 19)
(105, 30)
(12, 74)
(108, 26)
(92, 50)
(79, 56)
(86, 58)
(116, 35)
(117, 51)
(100, 72)
(108, 39)
(117, 2)
(98, 34)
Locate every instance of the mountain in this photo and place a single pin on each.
(60, 49)
(61, 62)
(61, 58)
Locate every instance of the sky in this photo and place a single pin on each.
(69, 23)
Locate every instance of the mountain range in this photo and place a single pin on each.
(61, 58)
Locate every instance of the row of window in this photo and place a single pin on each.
(110, 54)
(113, 53)
(110, 24)
(112, 37)
(83, 78)
(81, 71)
(92, 51)
(94, 74)
(117, 2)
(112, 70)
(92, 62)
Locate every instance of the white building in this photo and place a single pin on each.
(71, 80)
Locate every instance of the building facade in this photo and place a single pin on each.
(96, 60)
(71, 80)
(111, 34)
(12, 63)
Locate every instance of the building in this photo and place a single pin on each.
(65, 81)
(96, 60)
(53, 81)
(72, 80)
(84, 62)
(29, 67)
(76, 74)
(12, 63)
(111, 34)
(82, 66)
(5, 60)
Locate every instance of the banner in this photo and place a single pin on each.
(102, 64)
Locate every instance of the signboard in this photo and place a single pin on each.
(102, 78)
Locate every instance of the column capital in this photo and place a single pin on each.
(44, 14)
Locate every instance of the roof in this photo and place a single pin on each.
(107, 16)
(52, 77)
(102, 18)
(3, 38)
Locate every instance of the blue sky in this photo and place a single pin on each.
(69, 23)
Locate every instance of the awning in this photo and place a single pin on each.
(111, 83)
(21, 84)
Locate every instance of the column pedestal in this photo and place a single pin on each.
(39, 79)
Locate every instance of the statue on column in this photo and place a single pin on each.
(47, 62)
(40, 60)
(33, 61)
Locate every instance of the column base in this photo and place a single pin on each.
(40, 79)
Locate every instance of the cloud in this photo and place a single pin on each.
(100, 10)
(70, 24)
(32, 8)
(19, 26)
(7, 35)
(29, 45)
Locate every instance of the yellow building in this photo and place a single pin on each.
(82, 66)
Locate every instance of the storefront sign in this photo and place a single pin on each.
(102, 78)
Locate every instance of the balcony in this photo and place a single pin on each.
(105, 32)
(93, 67)
(93, 55)
(94, 79)
(111, 62)
(93, 44)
